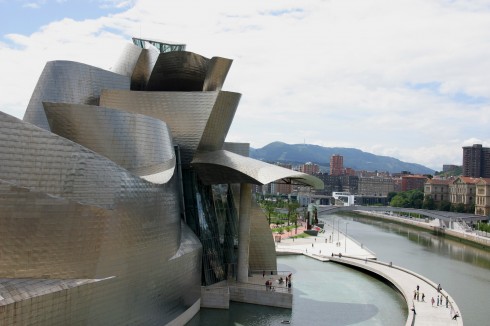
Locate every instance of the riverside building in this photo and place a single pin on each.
(120, 198)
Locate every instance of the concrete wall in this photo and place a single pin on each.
(261, 297)
(218, 297)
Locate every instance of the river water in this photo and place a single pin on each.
(331, 294)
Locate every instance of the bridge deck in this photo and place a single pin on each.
(332, 242)
(406, 282)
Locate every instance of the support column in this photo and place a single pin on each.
(244, 231)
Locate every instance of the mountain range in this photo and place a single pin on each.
(353, 158)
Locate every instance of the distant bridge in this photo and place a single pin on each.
(446, 217)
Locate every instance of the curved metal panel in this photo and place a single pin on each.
(216, 74)
(187, 114)
(219, 121)
(34, 158)
(178, 71)
(68, 212)
(140, 144)
(127, 60)
(226, 167)
(262, 250)
(71, 82)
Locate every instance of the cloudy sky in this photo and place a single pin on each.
(408, 79)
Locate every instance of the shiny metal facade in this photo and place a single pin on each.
(68, 214)
(218, 166)
(138, 64)
(70, 82)
(138, 143)
(103, 218)
(198, 120)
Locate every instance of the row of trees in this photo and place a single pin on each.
(273, 207)
(416, 199)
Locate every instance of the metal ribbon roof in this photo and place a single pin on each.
(222, 166)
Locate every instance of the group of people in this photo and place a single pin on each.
(416, 294)
(268, 286)
(440, 302)
(440, 298)
(269, 283)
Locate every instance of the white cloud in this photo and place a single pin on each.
(408, 79)
(33, 5)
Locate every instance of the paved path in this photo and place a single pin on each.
(406, 282)
(329, 243)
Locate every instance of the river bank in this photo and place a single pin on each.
(433, 226)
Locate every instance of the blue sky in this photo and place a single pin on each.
(408, 78)
(27, 16)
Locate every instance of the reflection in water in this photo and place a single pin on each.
(443, 246)
(324, 294)
(330, 294)
(462, 269)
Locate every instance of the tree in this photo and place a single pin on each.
(269, 208)
(399, 201)
(294, 220)
(428, 203)
(292, 206)
(459, 208)
(390, 196)
(445, 205)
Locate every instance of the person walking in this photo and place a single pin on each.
(447, 302)
(414, 294)
(456, 315)
(432, 301)
(423, 297)
(438, 301)
(263, 274)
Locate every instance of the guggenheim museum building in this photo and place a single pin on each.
(119, 197)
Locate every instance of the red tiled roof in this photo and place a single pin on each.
(469, 180)
(440, 181)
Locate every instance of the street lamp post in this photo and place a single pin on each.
(345, 250)
(338, 231)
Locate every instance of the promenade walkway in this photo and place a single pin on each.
(406, 282)
(331, 242)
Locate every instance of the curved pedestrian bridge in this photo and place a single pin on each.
(331, 242)
(406, 282)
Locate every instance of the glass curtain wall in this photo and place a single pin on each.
(211, 214)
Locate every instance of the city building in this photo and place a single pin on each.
(336, 164)
(482, 202)
(412, 182)
(332, 183)
(282, 187)
(375, 186)
(349, 171)
(350, 183)
(438, 190)
(120, 198)
(309, 168)
(476, 161)
(463, 191)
